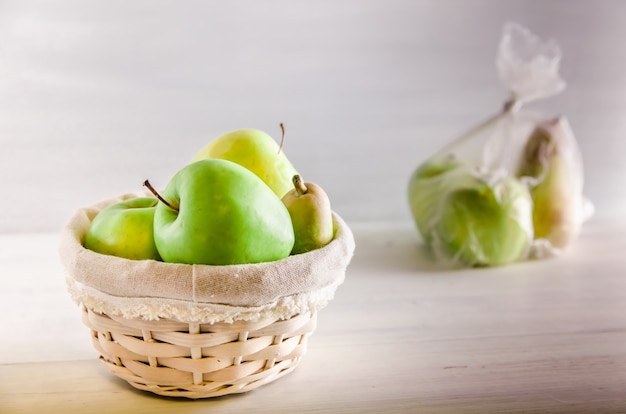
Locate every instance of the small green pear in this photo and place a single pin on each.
(311, 215)
(258, 152)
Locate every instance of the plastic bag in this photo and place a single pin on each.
(509, 189)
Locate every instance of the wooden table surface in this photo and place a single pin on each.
(401, 335)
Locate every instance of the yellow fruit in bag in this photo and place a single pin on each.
(551, 163)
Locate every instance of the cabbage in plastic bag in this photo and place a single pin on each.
(472, 217)
(510, 188)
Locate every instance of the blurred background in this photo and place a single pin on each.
(96, 96)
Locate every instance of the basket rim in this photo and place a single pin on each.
(156, 309)
(153, 289)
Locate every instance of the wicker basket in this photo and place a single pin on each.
(186, 347)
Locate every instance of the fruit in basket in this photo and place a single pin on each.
(557, 185)
(311, 215)
(217, 212)
(258, 152)
(125, 229)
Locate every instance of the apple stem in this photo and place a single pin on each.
(157, 195)
(298, 184)
(282, 139)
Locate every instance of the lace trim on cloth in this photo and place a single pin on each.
(161, 308)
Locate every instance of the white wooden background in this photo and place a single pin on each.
(96, 96)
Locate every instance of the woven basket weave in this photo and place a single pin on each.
(184, 348)
(195, 360)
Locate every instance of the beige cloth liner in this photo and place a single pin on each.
(154, 290)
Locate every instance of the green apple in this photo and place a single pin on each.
(426, 186)
(468, 216)
(125, 229)
(219, 213)
(311, 215)
(436, 167)
(487, 223)
(258, 152)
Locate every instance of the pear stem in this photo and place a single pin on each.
(157, 195)
(282, 139)
(298, 184)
